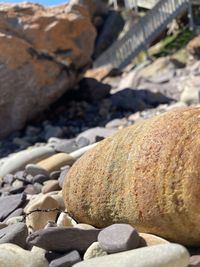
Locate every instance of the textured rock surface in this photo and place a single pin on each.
(146, 175)
(42, 52)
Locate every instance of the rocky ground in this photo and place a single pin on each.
(35, 227)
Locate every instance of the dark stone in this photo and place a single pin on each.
(39, 178)
(66, 260)
(8, 204)
(93, 90)
(54, 175)
(118, 238)
(138, 100)
(63, 239)
(15, 234)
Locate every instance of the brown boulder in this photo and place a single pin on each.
(147, 175)
(42, 54)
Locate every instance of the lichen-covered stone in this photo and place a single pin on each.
(147, 175)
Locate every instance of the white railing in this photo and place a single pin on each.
(122, 52)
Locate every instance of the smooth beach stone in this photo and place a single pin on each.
(19, 160)
(194, 261)
(14, 220)
(9, 204)
(151, 240)
(146, 175)
(38, 220)
(168, 255)
(49, 186)
(14, 256)
(40, 178)
(63, 239)
(118, 238)
(65, 220)
(66, 260)
(55, 162)
(15, 234)
(34, 170)
(95, 250)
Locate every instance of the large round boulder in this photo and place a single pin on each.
(147, 175)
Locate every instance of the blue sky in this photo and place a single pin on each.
(43, 2)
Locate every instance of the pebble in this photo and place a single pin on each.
(15, 213)
(12, 255)
(66, 260)
(51, 185)
(63, 239)
(54, 175)
(34, 170)
(9, 204)
(194, 261)
(65, 220)
(55, 162)
(19, 160)
(94, 251)
(62, 176)
(165, 255)
(66, 146)
(38, 220)
(118, 238)
(13, 220)
(40, 178)
(15, 234)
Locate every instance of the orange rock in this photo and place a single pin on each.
(147, 175)
(43, 52)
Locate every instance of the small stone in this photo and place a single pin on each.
(65, 220)
(9, 204)
(66, 260)
(82, 141)
(38, 220)
(94, 251)
(55, 162)
(14, 256)
(34, 170)
(116, 123)
(63, 239)
(33, 189)
(17, 184)
(165, 255)
(54, 175)
(40, 178)
(194, 261)
(66, 146)
(62, 175)
(118, 238)
(15, 234)
(49, 186)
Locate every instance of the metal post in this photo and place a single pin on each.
(190, 16)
